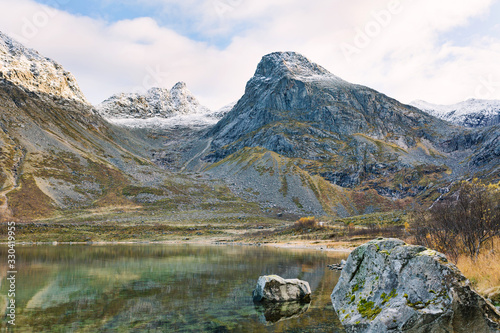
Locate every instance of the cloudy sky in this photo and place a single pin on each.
(440, 51)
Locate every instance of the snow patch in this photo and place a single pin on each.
(182, 120)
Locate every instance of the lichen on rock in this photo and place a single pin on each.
(389, 286)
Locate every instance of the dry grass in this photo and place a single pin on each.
(484, 273)
(374, 231)
(29, 202)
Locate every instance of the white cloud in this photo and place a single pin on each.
(404, 57)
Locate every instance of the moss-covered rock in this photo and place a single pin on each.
(389, 286)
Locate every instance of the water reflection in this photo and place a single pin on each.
(164, 288)
(272, 312)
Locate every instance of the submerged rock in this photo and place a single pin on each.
(273, 288)
(389, 286)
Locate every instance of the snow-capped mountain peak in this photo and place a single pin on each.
(27, 68)
(294, 65)
(156, 102)
(184, 101)
(470, 113)
(289, 62)
(158, 107)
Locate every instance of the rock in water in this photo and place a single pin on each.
(389, 286)
(273, 288)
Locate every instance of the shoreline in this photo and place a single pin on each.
(302, 245)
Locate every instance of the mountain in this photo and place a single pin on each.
(470, 113)
(299, 141)
(219, 114)
(28, 69)
(350, 135)
(290, 98)
(159, 108)
(156, 102)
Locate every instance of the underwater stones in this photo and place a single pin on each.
(273, 288)
(389, 286)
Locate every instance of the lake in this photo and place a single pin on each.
(165, 288)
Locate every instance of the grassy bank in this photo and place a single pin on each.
(130, 224)
(484, 273)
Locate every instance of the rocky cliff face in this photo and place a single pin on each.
(26, 68)
(471, 113)
(290, 99)
(156, 102)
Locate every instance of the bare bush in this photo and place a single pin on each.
(462, 223)
(306, 223)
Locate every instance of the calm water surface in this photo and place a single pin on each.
(164, 288)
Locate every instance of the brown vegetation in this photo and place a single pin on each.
(306, 223)
(484, 272)
(462, 223)
(374, 231)
(29, 202)
(466, 227)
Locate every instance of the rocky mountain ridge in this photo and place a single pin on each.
(351, 135)
(28, 69)
(156, 102)
(470, 113)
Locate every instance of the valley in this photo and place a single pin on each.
(152, 166)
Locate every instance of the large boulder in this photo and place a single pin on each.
(389, 286)
(273, 288)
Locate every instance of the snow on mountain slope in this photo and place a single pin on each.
(158, 108)
(470, 113)
(181, 120)
(219, 114)
(27, 68)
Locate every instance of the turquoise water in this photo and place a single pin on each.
(164, 288)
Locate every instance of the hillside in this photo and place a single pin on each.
(265, 176)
